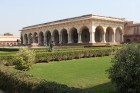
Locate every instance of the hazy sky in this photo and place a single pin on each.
(16, 14)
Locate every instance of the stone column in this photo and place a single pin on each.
(114, 31)
(104, 39)
(122, 39)
(79, 37)
(45, 42)
(92, 35)
(69, 37)
(60, 38)
(103, 36)
(122, 34)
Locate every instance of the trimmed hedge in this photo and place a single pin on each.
(14, 81)
(7, 60)
(63, 55)
(9, 49)
(67, 55)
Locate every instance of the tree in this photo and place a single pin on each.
(8, 34)
(24, 59)
(125, 70)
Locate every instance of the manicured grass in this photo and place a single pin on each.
(88, 73)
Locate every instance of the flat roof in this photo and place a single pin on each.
(9, 38)
(83, 17)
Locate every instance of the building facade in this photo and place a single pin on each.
(9, 40)
(132, 32)
(83, 30)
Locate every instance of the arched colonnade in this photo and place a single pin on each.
(74, 35)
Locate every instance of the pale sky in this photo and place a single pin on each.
(16, 14)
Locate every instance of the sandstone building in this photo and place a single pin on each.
(82, 30)
(8, 40)
(132, 32)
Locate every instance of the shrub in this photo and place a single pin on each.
(125, 70)
(53, 87)
(15, 81)
(7, 60)
(24, 59)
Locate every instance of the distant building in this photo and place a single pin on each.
(8, 40)
(132, 32)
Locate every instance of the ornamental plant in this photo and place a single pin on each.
(125, 69)
(24, 59)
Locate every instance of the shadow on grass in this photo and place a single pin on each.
(102, 88)
(53, 87)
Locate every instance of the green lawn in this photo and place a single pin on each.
(88, 73)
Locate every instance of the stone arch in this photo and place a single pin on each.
(64, 36)
(41, 38)
(30, 38)
(35, 37)
(26, 38)
(85, 34)
(74, 35)
(55, 36)
(118, 35)
(99, 32)
(109, 34)
(48, 37)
